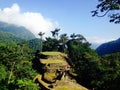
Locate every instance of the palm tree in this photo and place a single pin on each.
(55, 33)
(73, 36)
(80, 37)
(63, 39)
(41, 40)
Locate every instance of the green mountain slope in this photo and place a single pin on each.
(109, 47)
(19, 32)
(7, 37)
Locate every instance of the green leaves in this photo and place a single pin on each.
(27, 84)
(106, 6)
(51, 44)
(16, 66)
(3, 72)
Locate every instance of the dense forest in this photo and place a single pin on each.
(16, 67)
(92, 71)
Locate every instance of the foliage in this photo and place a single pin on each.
(94, 72)
(63, 40)
(51, 44)
(15, 65)
(76, 48)
(84, 60)
(106, 6)
(6, 37)
(55, 33)
(110, 74)
(34, 44)
(3, 72)
(27, 84)
(18, 31)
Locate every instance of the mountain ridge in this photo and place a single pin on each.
(18, 31)
(7, 37)
(109, 47)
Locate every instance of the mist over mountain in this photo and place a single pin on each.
(94, 46)
(18, 31)
(109, 47)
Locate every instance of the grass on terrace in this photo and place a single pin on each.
(54, 57)
(51, 53)
(58, 58)
(50, 61)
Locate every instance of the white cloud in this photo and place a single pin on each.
(15, 8)
(99, 40)
(35, 22)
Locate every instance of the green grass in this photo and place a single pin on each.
(53, 57)
(67, 88)
(50, 61)
(51, 53)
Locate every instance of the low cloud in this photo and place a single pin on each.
(99, 40)
(96, 41)
(35, 22)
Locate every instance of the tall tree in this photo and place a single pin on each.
(80, 37)
(63, 40)
(50, 44)
(105, 7)
(41, 40)
(73, 36)
(84, 60)
(55, 33)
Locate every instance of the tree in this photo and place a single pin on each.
(41, 40)
(50, 44)
(73, 36)
(63, 40)
(35, 44)
(84, 60)
(81, 38)
(3, 72)
(106, 7)
(15, 66)
(110, 73)
(55, 33)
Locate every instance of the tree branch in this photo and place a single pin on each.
(103, 14)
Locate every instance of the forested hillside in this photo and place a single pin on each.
(18, 31)
(16, 67)
(16, 70)
(19, 64)
(7, 37)
(109, 47)
(93, 71)
(34, 44)
(64, 60)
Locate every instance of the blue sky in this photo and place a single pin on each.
(72, 16)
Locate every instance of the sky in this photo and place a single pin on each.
(71, 16)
